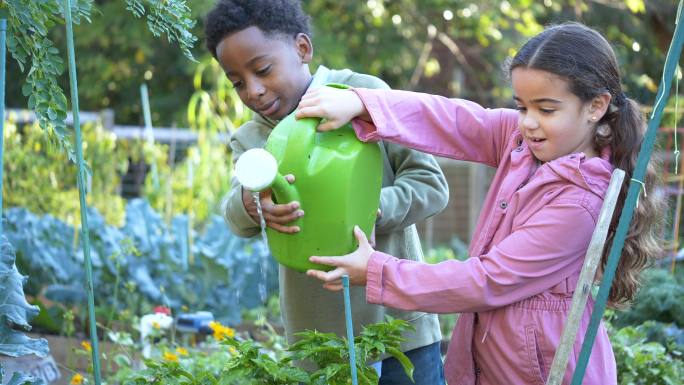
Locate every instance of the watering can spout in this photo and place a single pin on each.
(257, 170)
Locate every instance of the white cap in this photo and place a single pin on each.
(256, 169)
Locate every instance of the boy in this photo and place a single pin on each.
(264, 47)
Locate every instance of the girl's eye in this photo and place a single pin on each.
(521, 108)
(237, 85)
(264, 70)
(547, 110)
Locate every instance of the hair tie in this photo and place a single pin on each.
(620, 99)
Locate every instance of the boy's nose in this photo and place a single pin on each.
(255, 91)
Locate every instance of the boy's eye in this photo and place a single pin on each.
(520, 108)
(237, 85)
(547, 110)
(264, 70)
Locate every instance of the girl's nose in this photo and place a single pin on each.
(529, 122)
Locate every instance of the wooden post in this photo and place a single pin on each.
(586, 280)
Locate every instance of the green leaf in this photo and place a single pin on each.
(15, 312)
(403, 360)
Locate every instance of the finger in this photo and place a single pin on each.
(330, 261)
(290, 178)
(330, 276)
(329, 125)
(283, 229)
(278, 210)
(309, 95)
(360, 236)
(333, 286)
(310, 112)
(284, 219)
(379, 213)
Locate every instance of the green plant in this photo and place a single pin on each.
(30, 23)
(641, 362)
(15, 314)
(247, 362)
(196, 185)
(33, 163)
(660, 299)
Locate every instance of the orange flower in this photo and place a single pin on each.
(86, 345)
(168, 356)
(221, 332)
(77, 379)
(156, 325)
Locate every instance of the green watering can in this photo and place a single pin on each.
(337, 183)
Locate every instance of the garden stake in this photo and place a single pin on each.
(149, 133)
(350, 329)
(3, 36)
(635, 188)
(586, 279)
(81, 192)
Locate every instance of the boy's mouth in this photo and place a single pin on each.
(270, 108)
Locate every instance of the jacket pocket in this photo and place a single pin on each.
(535, 356)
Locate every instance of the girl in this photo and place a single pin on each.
(554, 157)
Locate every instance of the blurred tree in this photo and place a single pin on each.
(450, 47)
(457, 47)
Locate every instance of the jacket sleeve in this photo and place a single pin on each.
(529, 261)
(453, 128)
(241, 224)
(419, 190)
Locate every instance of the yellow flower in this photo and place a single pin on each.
(168, 356)
(156, 325)
(221, 332)
(86, 345)
(232, 350)
(77, 379)
(182, 351)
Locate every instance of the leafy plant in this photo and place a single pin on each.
(15, 314)
(247, 362)
(33, 163)
(196, 185)
(29, 25)
(660, 299)
(641, 362)
(143, 264)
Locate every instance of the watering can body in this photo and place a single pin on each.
(337, 182)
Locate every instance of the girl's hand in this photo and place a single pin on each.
(354, 264)
(277, 216)
(336, 106)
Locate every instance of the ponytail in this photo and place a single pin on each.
(624, 134)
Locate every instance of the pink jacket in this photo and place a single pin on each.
(515, 290)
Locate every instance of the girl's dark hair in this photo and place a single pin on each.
(584, 58)
(273, 17)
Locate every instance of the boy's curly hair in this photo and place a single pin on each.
(284, 17)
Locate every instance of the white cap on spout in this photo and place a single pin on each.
(256, 169)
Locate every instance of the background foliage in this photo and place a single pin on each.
(392, 39)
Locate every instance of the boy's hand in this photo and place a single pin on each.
(336, 105)
(275, 215)
(354, 264)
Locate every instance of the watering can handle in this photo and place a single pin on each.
(283, 191)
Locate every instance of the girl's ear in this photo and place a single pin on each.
(599, 105)
(304, 47)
